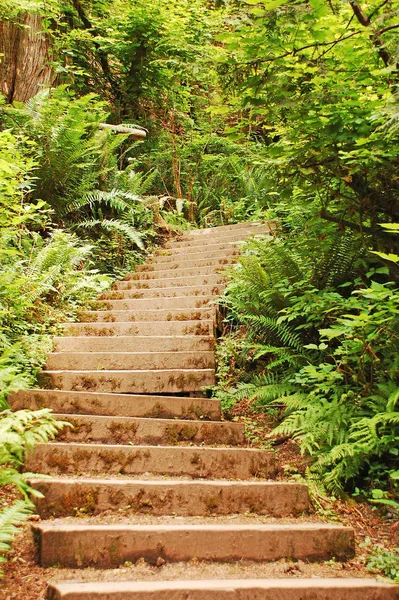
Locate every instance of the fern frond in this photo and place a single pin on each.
(113, 226)
(11, 518)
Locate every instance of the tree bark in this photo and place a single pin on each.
(24, 67)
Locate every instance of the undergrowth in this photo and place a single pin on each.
(315, 334)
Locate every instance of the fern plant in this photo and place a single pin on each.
(11, 518)
(319, 338)
(80, 173)
(19, 433)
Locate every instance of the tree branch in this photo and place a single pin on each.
(324, 214)
(375, 11)
(102, 57)
(360, 15)
(375, 36)
(314, 45)
(387, 28)
(136, 133)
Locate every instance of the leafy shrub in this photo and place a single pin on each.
(19, 433)
(323, 344)
(79, 173)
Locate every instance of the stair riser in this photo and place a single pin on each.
(131, 362)
(168, 292)
(218, 253)
(305, 589)
(197, 462)
(183, 343)
(90, 403)
(197, 280)
(211, 263)
(216, 233)
(233, 227)
(185, 290)
(209, 240)
(123, 316)
(171, 273)
(108, 430)
(110, 547)
(223, 248)
(182, 498)
(187, 304)
(161, 328)
(129, 382)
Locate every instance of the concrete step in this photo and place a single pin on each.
(196, 248)
(123, 405)
(130, 361)
(123, 316)
(77, 545)
(128, 291)
(227, 589)
(168, 256)
(151, 431)
(214, 263)
(176, 343)
(198, 462)
(211, 238)
(67, 497)
(142, 328)
(189, 303)
(168, 273)
(222, 229)
(212, 280)
(167, 381)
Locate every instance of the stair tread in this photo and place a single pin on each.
(341, 582)
(158, 496)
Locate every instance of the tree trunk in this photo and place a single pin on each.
(24, 65)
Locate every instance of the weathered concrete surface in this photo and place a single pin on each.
(196, 248)
(149, 431)
(179, 303)
(214, 263)
(131, 361)
(124, 290)
(180, 272)
(213, 279)
(142, 328)
(184, 498)
(170, 381)
(133, 340)
(233, 227)
(211, 239)
(220, 253)
(240, 589)
(123, 405)
(173, 314)
(176, 343)
(106, 546)
(198, 462)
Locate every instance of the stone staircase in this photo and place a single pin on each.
(149, 470)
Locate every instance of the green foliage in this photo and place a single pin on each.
(323, 350)
(380, 560)
(37, 283)
(286, 68)
(11, 517)
(19, 433)
(77, 173)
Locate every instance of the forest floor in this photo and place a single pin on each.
(23, 578)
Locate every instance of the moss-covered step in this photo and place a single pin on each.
(122, 405)
(61, 458)
(63, 497)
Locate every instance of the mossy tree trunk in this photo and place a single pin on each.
(25, 52)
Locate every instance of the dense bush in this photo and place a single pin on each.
(322, 343)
